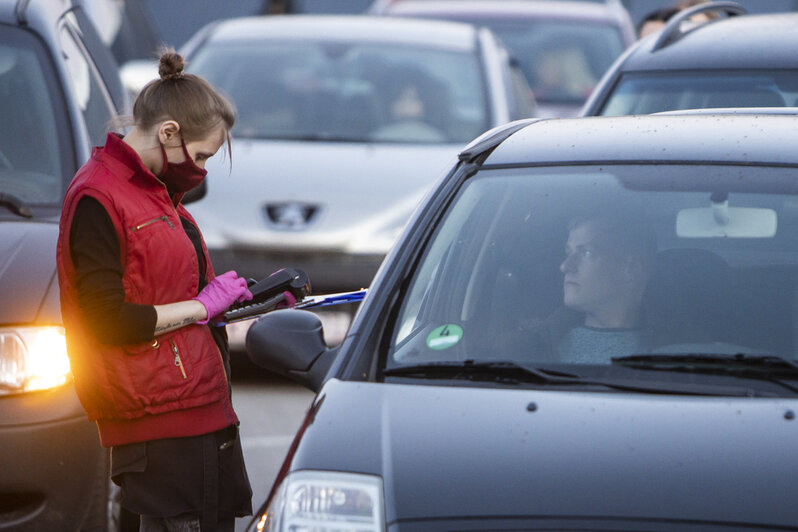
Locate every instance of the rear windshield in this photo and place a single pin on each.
(562, 61)
(358, 91)
(35, 149)
(645, 93)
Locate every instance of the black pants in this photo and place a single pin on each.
(201, 476)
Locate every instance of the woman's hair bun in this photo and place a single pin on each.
(171, 65)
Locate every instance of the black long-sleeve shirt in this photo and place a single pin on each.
(94, 248)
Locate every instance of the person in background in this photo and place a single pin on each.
(139, 299)
(412, 102)
(277, 7)
(657, 19)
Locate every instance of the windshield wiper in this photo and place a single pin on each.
(470, 369)
(15, 205)
(762, 367)
(508, 371)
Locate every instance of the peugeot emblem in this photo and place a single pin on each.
(290, 215)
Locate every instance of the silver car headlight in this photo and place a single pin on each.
(322, 500)
(32, 358)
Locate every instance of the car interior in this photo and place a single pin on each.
(315, 91)
(652, 93)
(30, 166)
(712, 287)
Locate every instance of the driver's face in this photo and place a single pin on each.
(593, 269)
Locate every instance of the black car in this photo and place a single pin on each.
(589, 324)
(58, 89)
(713, 55)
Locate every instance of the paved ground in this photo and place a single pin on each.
(271, 410)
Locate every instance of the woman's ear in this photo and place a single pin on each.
(168, 131)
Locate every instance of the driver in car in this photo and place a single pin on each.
(607, 265)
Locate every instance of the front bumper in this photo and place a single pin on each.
(51, 461)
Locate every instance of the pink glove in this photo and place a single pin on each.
(221, 292)
(288, 302)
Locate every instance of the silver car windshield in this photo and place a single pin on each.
(358, 91)
(647, 93)
(33, 143)
(578, 265)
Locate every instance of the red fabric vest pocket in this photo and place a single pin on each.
(159, 370)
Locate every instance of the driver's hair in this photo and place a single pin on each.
(628, 233)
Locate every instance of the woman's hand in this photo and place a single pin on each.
(221, 292)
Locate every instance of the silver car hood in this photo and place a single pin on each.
(360, 195)
(27, 272)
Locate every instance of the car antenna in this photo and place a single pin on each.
(673, 30)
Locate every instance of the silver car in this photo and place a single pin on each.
(343, 125)
(563, 48)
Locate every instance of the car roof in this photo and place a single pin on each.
(704, 138)
(444, 34)
(7, 13)
(516, 9)
(745, 41)
(12, 12)
(42, 18)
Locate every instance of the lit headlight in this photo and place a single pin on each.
(321, 500)
(32, 358)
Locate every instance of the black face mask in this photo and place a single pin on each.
(181, 177)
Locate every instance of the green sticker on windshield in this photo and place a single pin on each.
(444, 337)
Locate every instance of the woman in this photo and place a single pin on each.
(138, 298)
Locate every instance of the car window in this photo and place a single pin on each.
(521, 99)
(143, 42)
(348, 91)
(35, 144)
(562, 61)
(92, 97)
(577, 265)
(646, 93)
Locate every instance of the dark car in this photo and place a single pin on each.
(58, 89)
(713, 55)
(589, 324)
(563, 48)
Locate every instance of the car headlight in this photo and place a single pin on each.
(322, 500)
(32, 358)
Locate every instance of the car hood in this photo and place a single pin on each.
(27, 272)
(481, 452)
(356, 196)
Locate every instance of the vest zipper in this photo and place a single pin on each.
(154, 220)
(221, 360)
(178, 361)
(177, 214)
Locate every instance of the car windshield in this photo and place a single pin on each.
(562, 61)
(644, 93)
(577, 266)
(358, 91)
(34, 146)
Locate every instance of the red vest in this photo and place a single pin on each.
(174, 385)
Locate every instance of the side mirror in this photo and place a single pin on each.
(291, 343)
